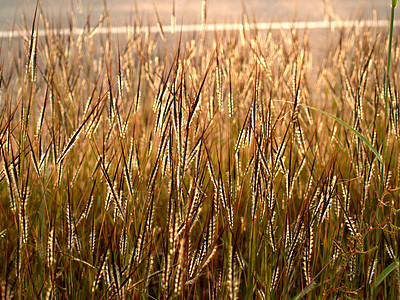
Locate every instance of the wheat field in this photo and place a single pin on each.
(202, 165)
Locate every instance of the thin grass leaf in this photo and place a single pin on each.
(306, 290)
(363, 138)
(394, 265)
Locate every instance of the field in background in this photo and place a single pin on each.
(144, 165)
(189, 11)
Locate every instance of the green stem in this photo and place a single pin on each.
(389, 59)
(394, 4)
(385, 145)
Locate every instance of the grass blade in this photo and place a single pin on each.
(386, 272)
(363, 138)
(306, 290)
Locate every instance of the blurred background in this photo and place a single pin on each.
(189, 11)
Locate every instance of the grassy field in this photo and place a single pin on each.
(201, 166)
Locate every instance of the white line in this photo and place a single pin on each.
(209, 27)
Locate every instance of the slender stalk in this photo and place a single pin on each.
(394, 4)
(385, 141)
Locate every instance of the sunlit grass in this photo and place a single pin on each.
(155, 165)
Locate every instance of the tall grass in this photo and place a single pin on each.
(192, 166)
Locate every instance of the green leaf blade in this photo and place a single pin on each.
(363, 138)
(306, 290)
(394, 265)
